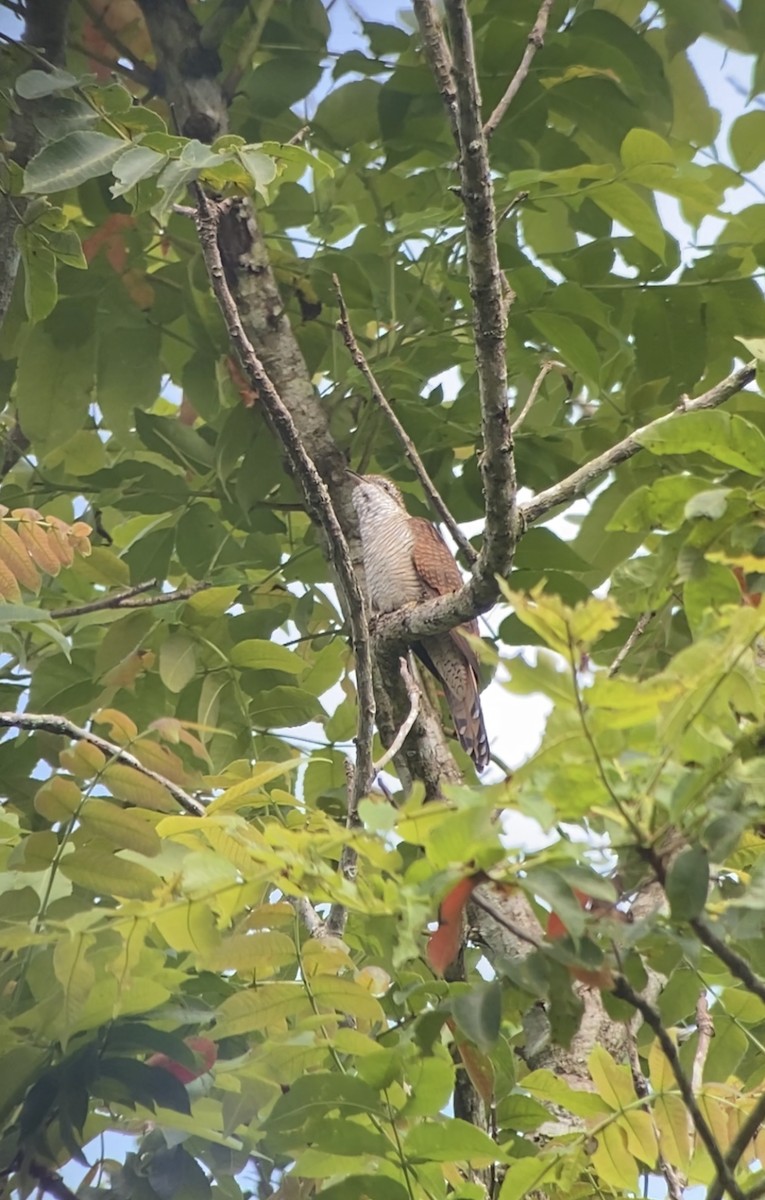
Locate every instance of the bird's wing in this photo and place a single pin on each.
(433, 560)
(437, 568)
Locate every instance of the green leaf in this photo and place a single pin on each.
(688, 884)
(34, 84)
(644, 146)
(526, 1177)
(478, 1012)
(451, 1140)
(54, 382)
(747, 140)
(109, 875)
(40, 285)
(72, 160)
(259, 655)
(314, 1095)
(123, 828)
(137, 163)
(624, 205)
(723, 436)
(259, 166)
(177, 661)
(171, 438)
(375, 1187)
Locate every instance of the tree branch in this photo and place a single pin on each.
(623, 990)
(577, 483)
(415, 695)
(479, 593)
(132, 598)
(428, 486)
(439, 59)
(63, 727)
(489, 310)
(316, 493)
(641, 625)
(551, 365)
(536, 41)
(50, 1181)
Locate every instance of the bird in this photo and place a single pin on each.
(407, 561)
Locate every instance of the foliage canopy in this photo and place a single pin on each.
(128, 925)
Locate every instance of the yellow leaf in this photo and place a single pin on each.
(260, 954)
(613, 1161)
(57, 799)
(264, 1007)
(671, 1120)
(569, 631)
(125, 783)
(641, 1136)
(122, 729)
(249, 792)
(613, 1082)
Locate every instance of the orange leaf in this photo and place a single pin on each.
(444, 945)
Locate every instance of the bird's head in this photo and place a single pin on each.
(375, 492)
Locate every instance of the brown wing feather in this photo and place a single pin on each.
(433, 560)
(437, 568)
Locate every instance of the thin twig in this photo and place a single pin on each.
(439, 59)
(316, 493)
(410, 450)
(551, 365)
(736, 964)
(624, 990)
(536, 40)
(113, 65)
(706, 1031)
(132, 598)
(641, 625)
(338, 913)
(737, 1148)
(577, 483)
(63, 727)
(415, 695)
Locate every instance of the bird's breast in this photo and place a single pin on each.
(386, 541)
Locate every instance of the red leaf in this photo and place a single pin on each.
(444, 945)
(205, 1050)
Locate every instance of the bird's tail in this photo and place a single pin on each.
(456, 674)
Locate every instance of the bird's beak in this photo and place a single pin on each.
(356, 478)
